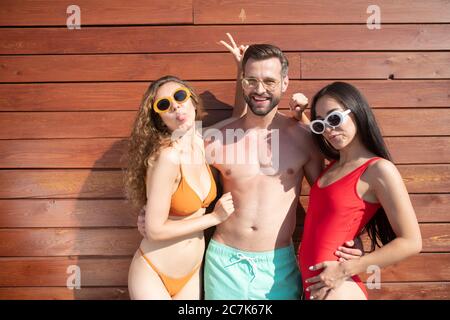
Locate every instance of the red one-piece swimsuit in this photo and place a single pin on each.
(336, 214)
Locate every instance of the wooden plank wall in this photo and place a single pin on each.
(68, 98)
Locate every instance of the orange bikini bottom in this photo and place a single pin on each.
(173, 285)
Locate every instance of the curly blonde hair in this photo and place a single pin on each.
(148, 137)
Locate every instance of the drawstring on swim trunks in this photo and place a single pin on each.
(250, 261)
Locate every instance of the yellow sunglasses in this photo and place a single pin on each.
(164, 104)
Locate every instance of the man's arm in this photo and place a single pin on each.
(298, 104)
(315, 163)
(240, 106)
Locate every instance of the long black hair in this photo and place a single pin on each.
(378, 228)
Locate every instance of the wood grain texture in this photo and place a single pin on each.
(108, 184)
(57, 213)
(113, 271)
(118, 124)
(89, 40)
(389, 291)
(310, 11)
(123, 67)
(63, 293)
(417, 268)
(412, 291)
(53, 271)
(68, 99)
(94, 12)
(123, 96)
(110, 152)
(73, 213)
(44, 242)
(364, 65)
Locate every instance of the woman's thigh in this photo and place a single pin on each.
(143, 282)
(349, 290)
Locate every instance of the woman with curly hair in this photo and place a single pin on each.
(174, 190)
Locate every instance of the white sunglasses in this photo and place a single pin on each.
(333, 120)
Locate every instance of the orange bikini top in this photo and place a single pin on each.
(185, 201)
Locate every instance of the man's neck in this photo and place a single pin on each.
(253, 121)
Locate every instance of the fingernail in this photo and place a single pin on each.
(307, 289)
(311, 298)
(311, 268)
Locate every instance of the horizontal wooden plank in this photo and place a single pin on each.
(53, 271)
(428, 207)
(205, 38)
(431, 208)
(215, 94)
(435, 237)
(67, 242)
(84, 183)
(66, 213)
(66, 124)
(388, 291)
(417, 268)
(405, 150)
(412, 291)
(63, 153)
(57, 213)
(219, 66)
(380, 65)
(309, 11)
(118, 124)
(61, 184)
(113, 271)
(63, 293)
(108, 152)
(53, 12)
(426, 178)
(120, 67)
(397, 122)
(44, 242)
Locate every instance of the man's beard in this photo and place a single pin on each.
(273, 102)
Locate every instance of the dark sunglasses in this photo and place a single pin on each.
(164, 104)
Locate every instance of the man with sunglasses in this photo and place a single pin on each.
(251, 255)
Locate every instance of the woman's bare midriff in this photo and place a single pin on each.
(179, 256)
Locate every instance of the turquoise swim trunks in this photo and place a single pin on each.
(233, 274)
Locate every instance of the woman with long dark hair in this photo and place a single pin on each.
(360, 190)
